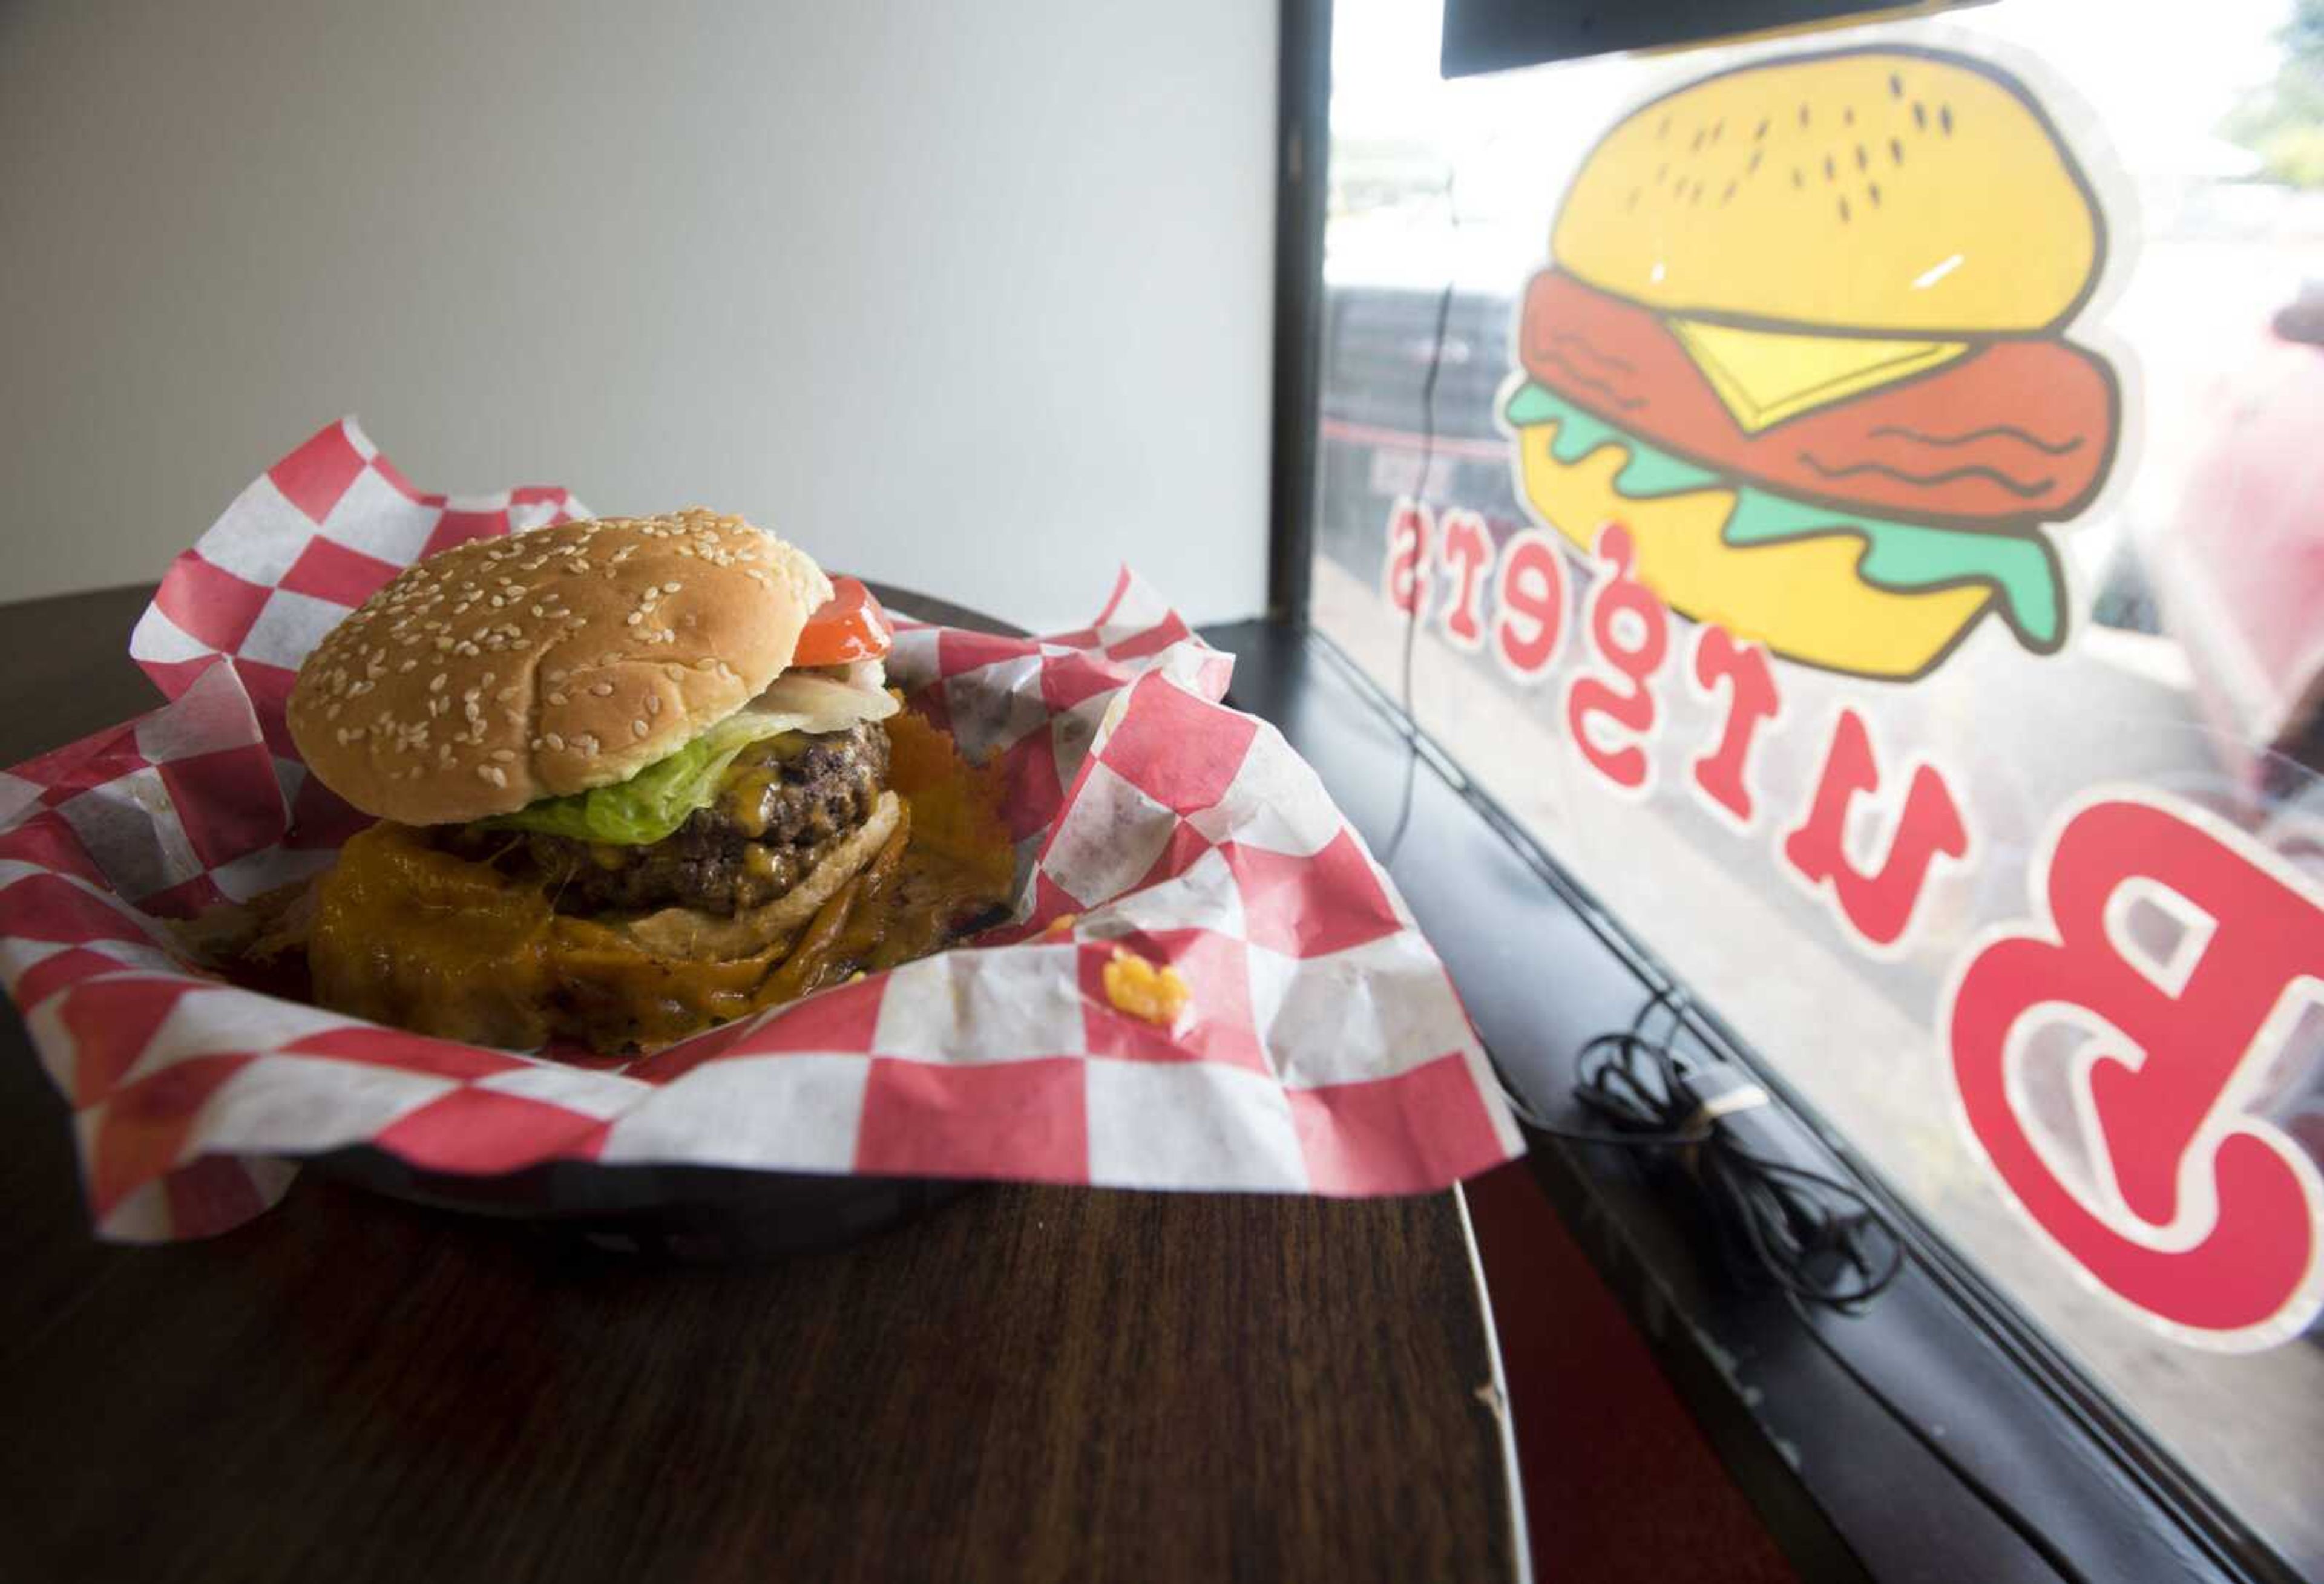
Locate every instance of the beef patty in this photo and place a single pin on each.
(785, 803)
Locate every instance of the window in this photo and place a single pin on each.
(1869, 527)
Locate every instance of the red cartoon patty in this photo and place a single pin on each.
(2011, 429)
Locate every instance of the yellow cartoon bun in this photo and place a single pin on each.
(1864, 191)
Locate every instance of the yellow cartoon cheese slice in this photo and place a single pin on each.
(1766, 376)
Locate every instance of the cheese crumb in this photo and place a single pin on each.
(1139, 989)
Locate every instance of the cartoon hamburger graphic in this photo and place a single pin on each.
(1803, 336)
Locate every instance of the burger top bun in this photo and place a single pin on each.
(510, 669)
(1878, 189)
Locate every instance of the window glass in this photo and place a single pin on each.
(1870, 528)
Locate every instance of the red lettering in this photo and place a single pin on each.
(1878, 904)
(1529, 601)
(2194, 1209)
(1752, 701)
(1634, 656)
(1405, 577)
(1466, 550)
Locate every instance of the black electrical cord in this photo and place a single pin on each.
(1821, 1240)
(1815, 1236)
(1424, 573)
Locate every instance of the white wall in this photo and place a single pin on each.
(973, 297)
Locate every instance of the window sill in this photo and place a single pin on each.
(1846, 1491)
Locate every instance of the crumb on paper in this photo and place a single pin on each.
(1139, 989)
(1062, 923)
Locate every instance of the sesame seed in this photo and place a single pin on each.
(504, 755)
(436, 683)
(602, 689)
(492, 773)
(653, 704)
(638, 727)
(555, 742)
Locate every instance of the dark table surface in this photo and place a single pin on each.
(1029, 1383)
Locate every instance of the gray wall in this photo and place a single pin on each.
(970, 296)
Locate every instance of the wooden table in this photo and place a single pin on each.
(1030, 1384)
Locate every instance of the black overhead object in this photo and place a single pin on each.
(1495, 35)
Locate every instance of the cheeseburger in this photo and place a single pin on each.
(1803, 337)
(632, 777)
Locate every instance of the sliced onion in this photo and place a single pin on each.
(808, 701)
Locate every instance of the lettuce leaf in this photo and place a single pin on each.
(2018, 564)
(652, 803)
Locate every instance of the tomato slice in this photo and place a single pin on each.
(848, 626)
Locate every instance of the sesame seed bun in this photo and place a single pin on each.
(1868, 191)
(507, 670)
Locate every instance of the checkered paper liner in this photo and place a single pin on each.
(1324, 1051)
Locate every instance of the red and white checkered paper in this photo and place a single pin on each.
(1324, 1051)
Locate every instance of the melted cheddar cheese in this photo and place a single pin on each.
(408, 934)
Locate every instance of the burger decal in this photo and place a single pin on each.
(1805, 334)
